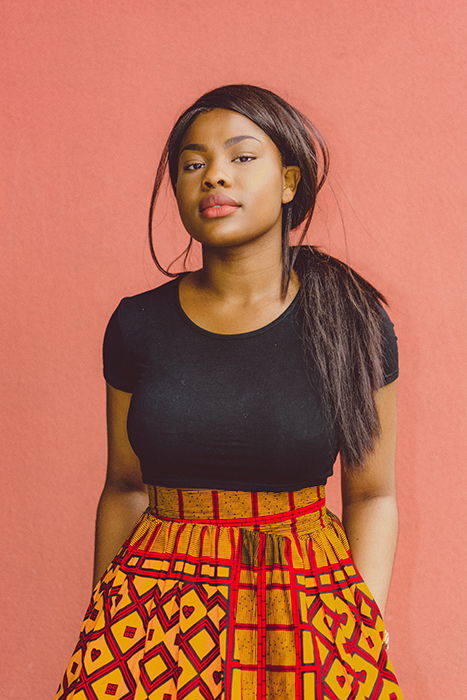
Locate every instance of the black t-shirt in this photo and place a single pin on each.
(227, 411)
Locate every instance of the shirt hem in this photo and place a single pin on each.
(232, 485)
(391, 377)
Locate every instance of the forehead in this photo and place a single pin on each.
(221, 125)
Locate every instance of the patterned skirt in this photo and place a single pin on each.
(234, 595)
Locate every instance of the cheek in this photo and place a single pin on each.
(266, 181)
(182, 195)
(267, 197)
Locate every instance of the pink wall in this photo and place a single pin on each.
(92, 91)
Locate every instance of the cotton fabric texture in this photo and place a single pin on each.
(232, 595)
(222, 411)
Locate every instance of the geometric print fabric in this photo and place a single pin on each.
(232, 595)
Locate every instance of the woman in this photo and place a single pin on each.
(231, 389)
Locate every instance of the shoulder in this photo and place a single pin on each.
(135, 314)
(389, 345)
(388, 329)
(131, 328)
(134, 309)
(386, 319)
(147, 298)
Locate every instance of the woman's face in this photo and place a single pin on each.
(247, 170)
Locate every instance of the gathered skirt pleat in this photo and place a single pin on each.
(232, 595)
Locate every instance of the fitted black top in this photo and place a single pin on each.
(227, 411)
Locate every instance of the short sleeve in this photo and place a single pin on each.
(390, 348)
(119, 367)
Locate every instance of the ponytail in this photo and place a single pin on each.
(343, 340)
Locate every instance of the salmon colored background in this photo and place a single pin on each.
(93, 89)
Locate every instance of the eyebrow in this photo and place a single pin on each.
(227, 144)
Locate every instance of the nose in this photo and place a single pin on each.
(209, 182)
(213, 173)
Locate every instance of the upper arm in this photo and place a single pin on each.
(377, 475)
(123, 466)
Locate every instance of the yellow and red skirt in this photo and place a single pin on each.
(232, 595)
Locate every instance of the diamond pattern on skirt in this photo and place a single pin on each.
(204, 607)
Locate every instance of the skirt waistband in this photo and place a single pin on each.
(259, 510)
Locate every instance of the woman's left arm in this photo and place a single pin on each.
(369, 503)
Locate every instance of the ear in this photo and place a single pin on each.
(290, 179)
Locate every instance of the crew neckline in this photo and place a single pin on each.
(256, 331)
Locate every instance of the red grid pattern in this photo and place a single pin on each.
(232, 594)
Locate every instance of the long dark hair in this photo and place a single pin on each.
(341, 327)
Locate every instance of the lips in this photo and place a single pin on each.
(218, 199)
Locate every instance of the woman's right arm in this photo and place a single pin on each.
(124, 496)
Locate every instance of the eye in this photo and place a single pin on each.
(189, 167)
(245, 157)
